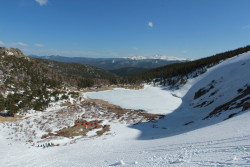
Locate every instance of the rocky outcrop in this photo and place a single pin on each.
(11, 51)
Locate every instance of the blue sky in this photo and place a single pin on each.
(117, 28)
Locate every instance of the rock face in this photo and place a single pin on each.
(11, 51)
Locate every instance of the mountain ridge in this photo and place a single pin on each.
(114, 63)
(178, 73)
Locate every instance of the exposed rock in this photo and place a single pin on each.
(11, 52)
(1, 75)
(246, 106)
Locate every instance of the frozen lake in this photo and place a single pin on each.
(151, 99)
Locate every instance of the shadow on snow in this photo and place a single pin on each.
(184, 119)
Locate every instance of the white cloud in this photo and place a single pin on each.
(42, 2)
(19, 44)
(22, 44)
(150, 24)
(2, 43)
(39, 45)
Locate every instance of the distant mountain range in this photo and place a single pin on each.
(124, 66)
(156, 57)
(118, 63)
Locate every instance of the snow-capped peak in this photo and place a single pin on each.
(159, 57)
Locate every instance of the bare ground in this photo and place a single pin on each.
(10, 119)
(102, 110)
(43, 126)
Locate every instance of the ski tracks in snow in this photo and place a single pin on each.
(224, 152)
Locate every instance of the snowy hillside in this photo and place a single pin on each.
(223, 89)
(220, 93)
(195, 131)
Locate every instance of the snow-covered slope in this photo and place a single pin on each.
(203, 94)
(220, 93)
(188, 135)
(222, 89)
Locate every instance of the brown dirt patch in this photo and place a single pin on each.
(81, 128)
(10, 119)
(66, 104)
(105, 128)
(111, 87)
(121, 111)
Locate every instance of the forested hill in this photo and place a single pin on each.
(77, 70)
(129, 71)
(28, 83)
(177, 74)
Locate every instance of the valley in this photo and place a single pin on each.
(124, 83)
(201, 121)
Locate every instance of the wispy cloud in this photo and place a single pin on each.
(150, 24)
(2, 43)
(246, 27)
(42, 2)
(20, 44)
(39, 45)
